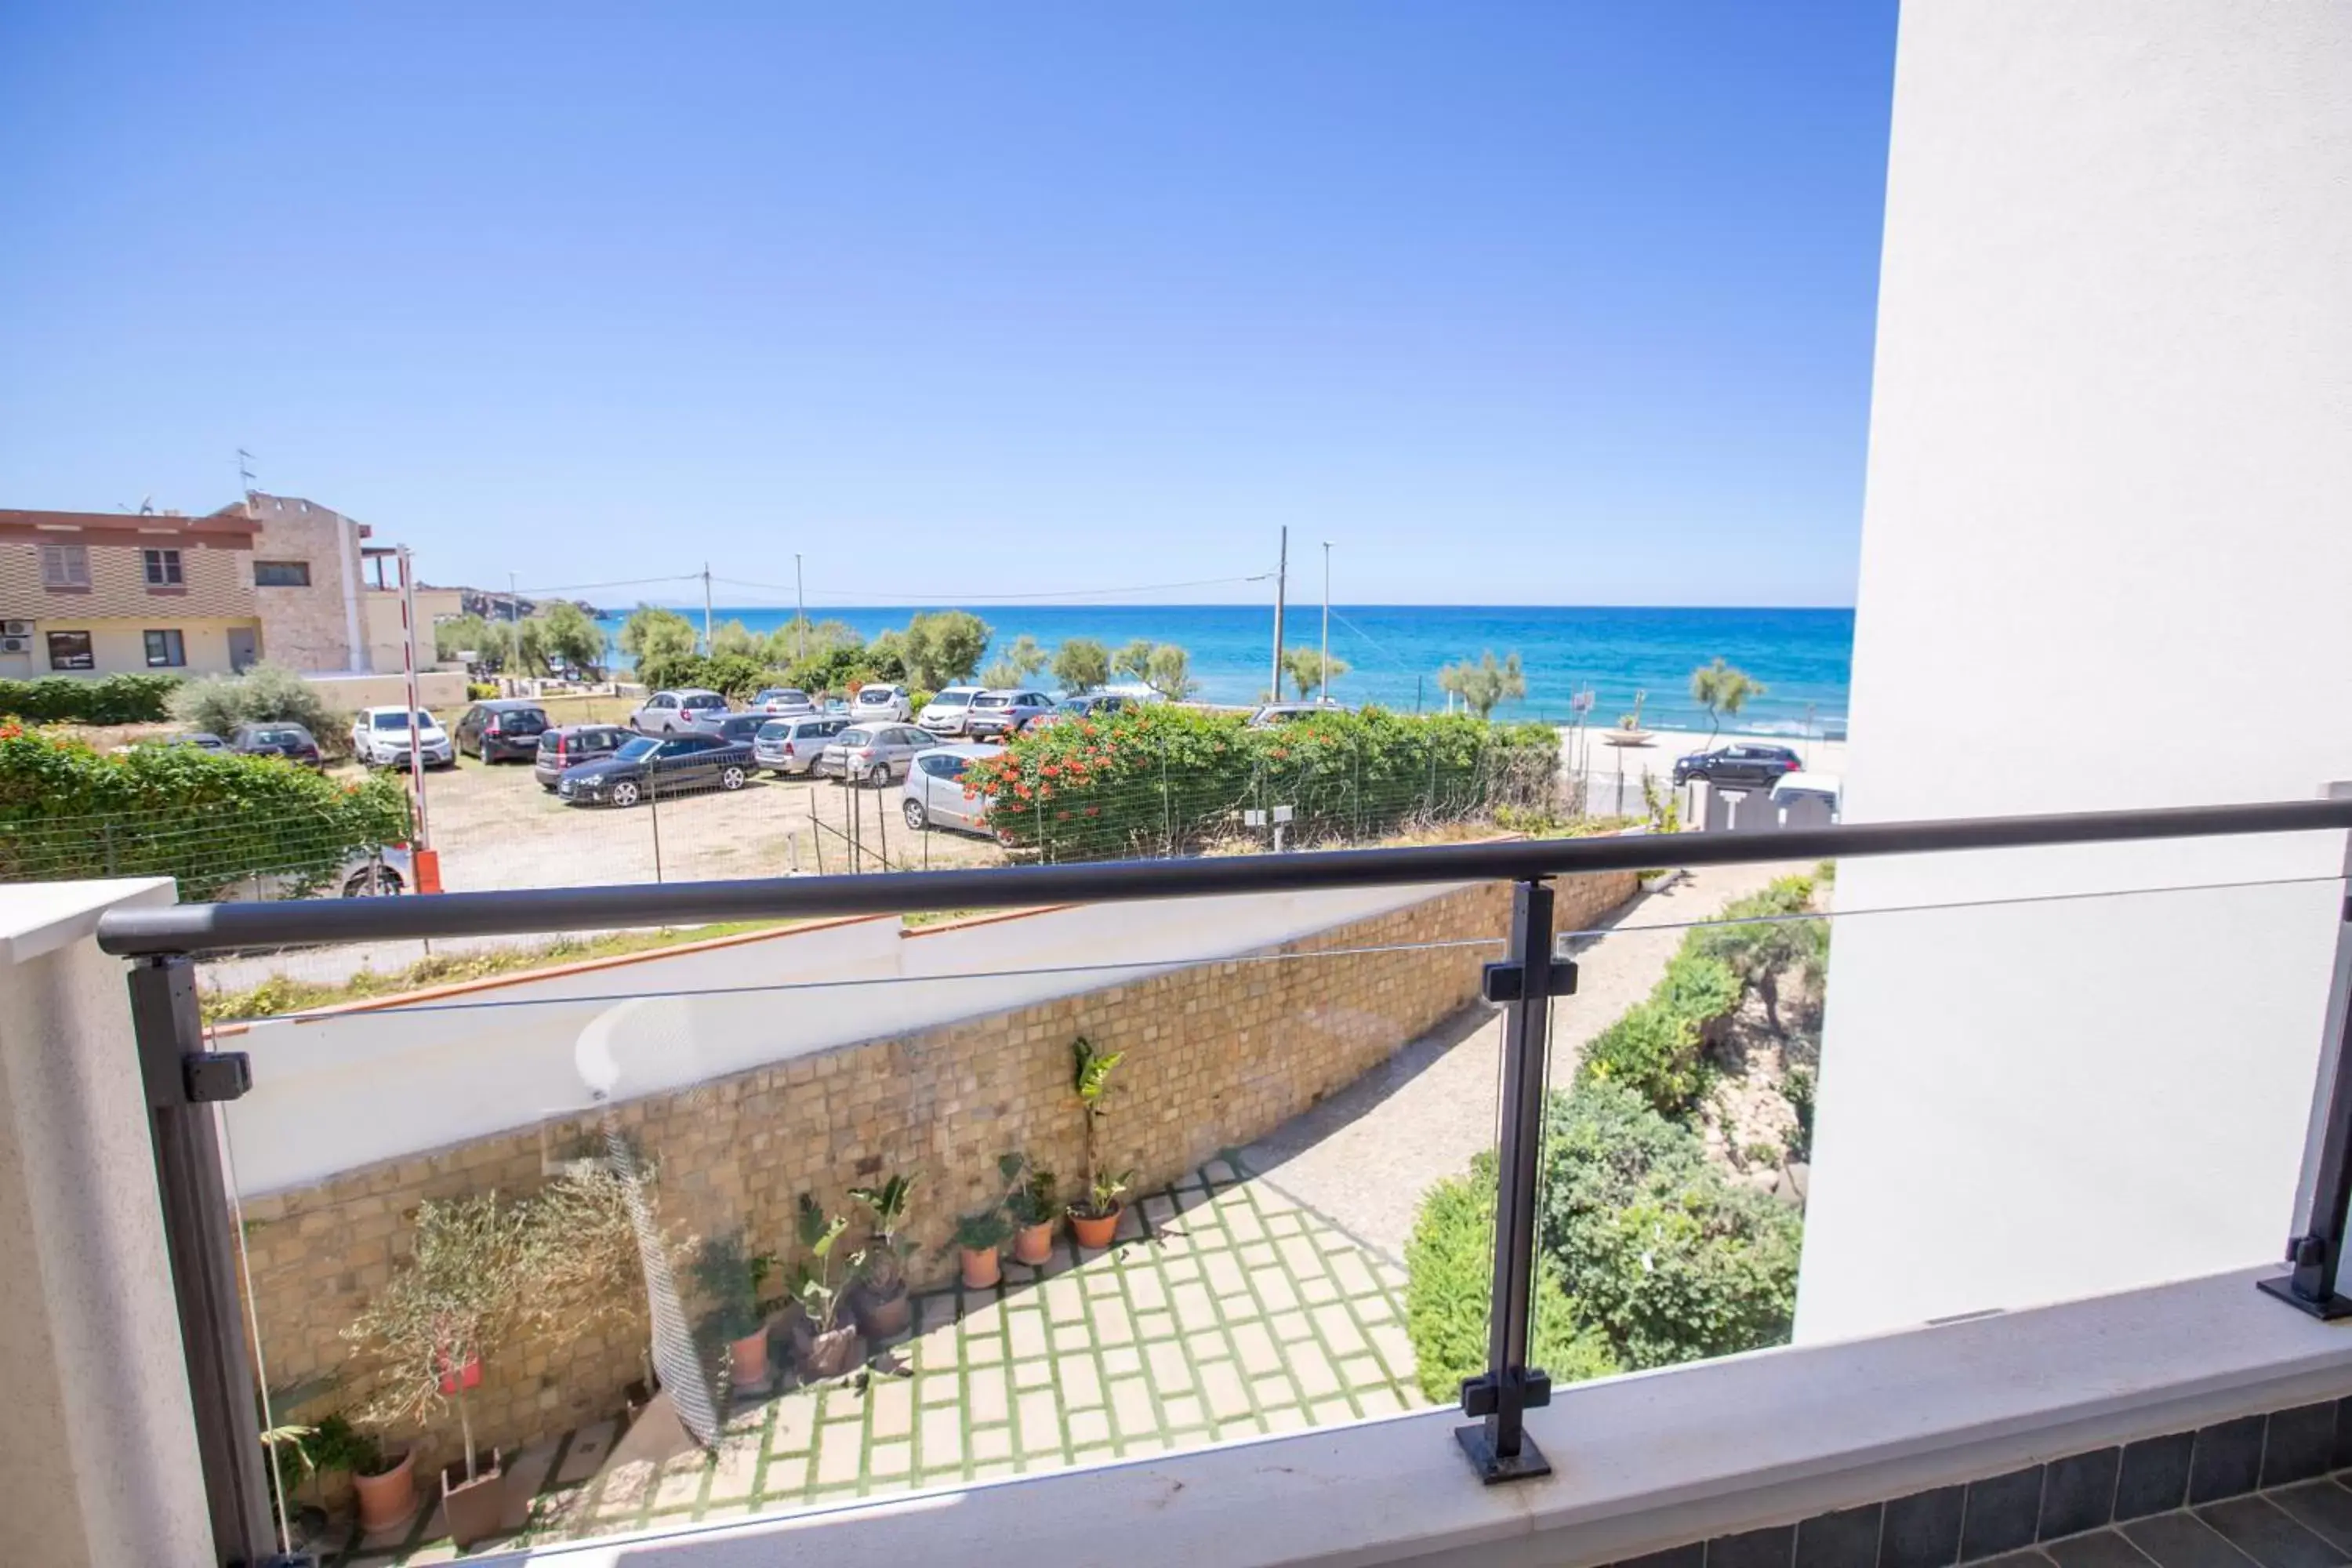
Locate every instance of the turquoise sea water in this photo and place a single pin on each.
(1394, 651)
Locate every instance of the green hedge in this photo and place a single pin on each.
(209, 819)
(109, 700)
(1163, 779)
(1449, 1275)
(1667, 1258)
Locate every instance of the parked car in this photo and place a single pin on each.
(934, 793)
(947, 713)
(1005, 713)
(1824, 789)
(647, 765)
(1096, 705)
(872, 753)
(675, 712)
(570, 745)
(780, 702)
(739, 729)
(789, 746)
(276, 740)
(390, 871)
(1291, 712)
(1744, 766)
(379, 738)
(502, 727)
(882, 705)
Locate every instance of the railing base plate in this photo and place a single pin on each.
(2282, 1287)
(1492, 1468)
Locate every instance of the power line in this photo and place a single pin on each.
(994, 598)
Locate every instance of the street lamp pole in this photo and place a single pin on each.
(1323, 675)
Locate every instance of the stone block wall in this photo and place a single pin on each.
(1215, 1055)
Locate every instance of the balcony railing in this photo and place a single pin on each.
(1251, 1281)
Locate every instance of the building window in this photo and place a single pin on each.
(65, 566)
(281, 574)
(71, 650)
(166, 650)
(163, 568)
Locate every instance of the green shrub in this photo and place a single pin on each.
(1666, 1256)
(1770, 945)
(207, 818)
(1449, 1277)
(110, 700)
(1654, 1052)
(734, 675)
(219, 703)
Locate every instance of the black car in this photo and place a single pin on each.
(649, 766)
(276, 740)
(502, 727)
(1738, 767)
(569, 745)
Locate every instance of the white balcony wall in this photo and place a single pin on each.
(2109, 514)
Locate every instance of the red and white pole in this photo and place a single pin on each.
(428, 864)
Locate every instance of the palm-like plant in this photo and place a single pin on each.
(1090, 1079)
(1724, 689)
(816, 1284)
(1486, 684)
(882, 1261)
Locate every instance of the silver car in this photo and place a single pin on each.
(881, 704)
(788, 746)
(947, 713)
(781, 702)
(934, 795)
(677, 712)
(872, 753)
(1005, 713)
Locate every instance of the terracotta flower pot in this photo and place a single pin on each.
(980, 1269)
(473, 1510)
(1033, 1243)
(828, 1354)
(883, 1314)
(747, 1359)
(1096, 1231)
(389, 1496)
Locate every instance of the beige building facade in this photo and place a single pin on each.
(95, 594)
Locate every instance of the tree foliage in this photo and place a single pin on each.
(1309, 672)
(1017, 665)
(652, 633)
(940, 648)
(1170, 672)
(219, 703)
(109, 700)
(490, 642)
(1723, 690)
(1134, 659)
(1486, 684)
(733, 637)
(572, 635)
(1081, 664)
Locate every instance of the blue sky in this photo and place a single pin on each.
(1564, 304)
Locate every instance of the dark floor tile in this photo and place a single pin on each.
(2301, 1444)
(2079, 1492)
(2228, 1461)
(2323, 1508)
(2342, 1458)
(2028, 1558)
(2100, 1549)
(2182, 1540)
(1691, 1556)
(2155, 1478)
(2267, 1535)
(1771, 1548)
(2002, 1514)
(1847, 1538)
(1923, 1530)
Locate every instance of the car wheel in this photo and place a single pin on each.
(731, 777)
(880, 777)
(916, 817)
(373, 882)
(626, 793)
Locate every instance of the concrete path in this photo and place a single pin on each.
(1364, 1157)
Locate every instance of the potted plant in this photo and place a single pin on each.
(1095, 1216)
(303, 1458)
(731, 1281)
(977, 1238)
(880, 1305)
(471, 1281)
(821, 1345)
(1029, 1204)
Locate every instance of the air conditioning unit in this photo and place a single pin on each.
(15, 628)
(16, 645)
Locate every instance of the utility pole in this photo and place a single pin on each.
(1323, 681)
(514, 601)
(800, 608)
(1281, 583)
(706, 607)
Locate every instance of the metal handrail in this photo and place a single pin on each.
(190, 928)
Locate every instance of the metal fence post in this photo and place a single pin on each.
(2316, 1255)
(1523, 985)
(184, 1080)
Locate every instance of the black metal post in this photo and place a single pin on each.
(182, 1081)
(2318, 1254)
(1523, 985)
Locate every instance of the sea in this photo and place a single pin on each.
(1597, 660)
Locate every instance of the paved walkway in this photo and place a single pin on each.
(1229, 1311)
(1364, 1157)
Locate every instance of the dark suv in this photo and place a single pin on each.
(1738, 767)
(504, 726)
(573, 745)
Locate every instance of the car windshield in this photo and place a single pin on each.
(394, 719)
(953, 699)
(529, 721)
(279, 737)
(774, 730)
(876, 694)
(854, 738)
(986, 700)
(638, 750)
(707, 700)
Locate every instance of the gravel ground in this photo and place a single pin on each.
(1364, 1157)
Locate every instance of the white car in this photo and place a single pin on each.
(949, 712)
(934, 793)
(881, 704)
(380, 739)
(1821, 796)
(781, 702)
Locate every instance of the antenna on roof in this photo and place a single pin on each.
(147, 504)
(245, 478)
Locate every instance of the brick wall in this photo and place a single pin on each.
(308, 628)
(1216, 1054)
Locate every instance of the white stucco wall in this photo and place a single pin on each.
(2109, 513)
